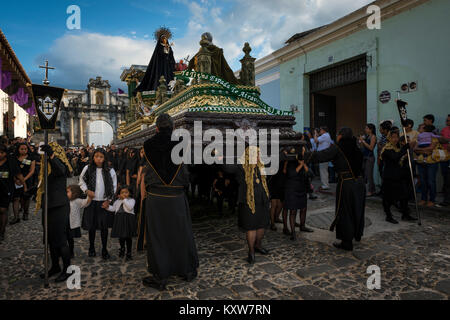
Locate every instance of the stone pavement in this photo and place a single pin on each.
(414, 262)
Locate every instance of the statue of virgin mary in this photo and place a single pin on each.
(161, 64)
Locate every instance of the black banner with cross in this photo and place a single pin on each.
(47, 103)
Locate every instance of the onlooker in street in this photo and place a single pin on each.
(445, 133)
(323, 141)
(368, 143)
(385, 127)
(428, 120)
(427, 171)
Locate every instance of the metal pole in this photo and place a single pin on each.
(46, 284)
(411, 172)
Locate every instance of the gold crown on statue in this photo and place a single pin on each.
(163, 31)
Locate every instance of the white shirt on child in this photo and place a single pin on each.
(128, 206)
(99, 184)
(75, 212)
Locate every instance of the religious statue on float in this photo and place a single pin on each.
(161, 64)
(210, 59)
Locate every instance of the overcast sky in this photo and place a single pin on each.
(118, 33)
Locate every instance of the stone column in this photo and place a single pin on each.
(80, 127)
(247, 74)
(71, 128)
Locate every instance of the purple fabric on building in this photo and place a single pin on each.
(5, 79)
(121, 91)
(20, 97)
(32, 110)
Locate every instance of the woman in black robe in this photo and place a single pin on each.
(350, 191)
(253, 200)
(171, 248)
(161, 64)
(396, 177)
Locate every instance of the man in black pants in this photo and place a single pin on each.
(58, 209)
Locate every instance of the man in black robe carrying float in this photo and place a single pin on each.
(350, 192)
(161, 64)
(171, 248)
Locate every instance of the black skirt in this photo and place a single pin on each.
(75, 233)
(253, 221)
(124, 225)
(97, 218)
(295, 200)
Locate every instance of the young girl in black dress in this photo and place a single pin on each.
(99, 182)
(124, 226)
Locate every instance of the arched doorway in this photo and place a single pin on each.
(100, 133)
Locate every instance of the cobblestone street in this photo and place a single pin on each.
(414, 263)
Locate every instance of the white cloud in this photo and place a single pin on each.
(265, 24)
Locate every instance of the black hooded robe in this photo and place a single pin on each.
(161, 64)
(171, 248)
(350, 190)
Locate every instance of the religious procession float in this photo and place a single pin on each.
(203, 89)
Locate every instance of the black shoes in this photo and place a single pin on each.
(105, 254)
(305, 229)
(344, 246)
(251, 258)
(92, 252)
(293, 236)
(63, 276)
(121, 252)
(2, 237)
(262, 251)
(52, 272)
(273, 227)
(14, 221)
(25, 217)
(312, 197)
(407, 217)
(390, 219)
(286, 232)
(128, 258)
(155, 284)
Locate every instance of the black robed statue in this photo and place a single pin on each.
(161, 64)
(171, 249)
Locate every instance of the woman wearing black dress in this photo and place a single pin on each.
(253, 200)
(296, 192)
(27, 166)
(132, 169)
(276, 190)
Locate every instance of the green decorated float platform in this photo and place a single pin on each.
(199, 95)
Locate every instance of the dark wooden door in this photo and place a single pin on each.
(325, 112)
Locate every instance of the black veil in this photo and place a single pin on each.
(161, 64)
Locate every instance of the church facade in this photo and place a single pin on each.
(81, 109)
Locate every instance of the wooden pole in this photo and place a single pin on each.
(46, 283)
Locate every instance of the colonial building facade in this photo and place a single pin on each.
(15, 93)
(344, 74)
(81, 109)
